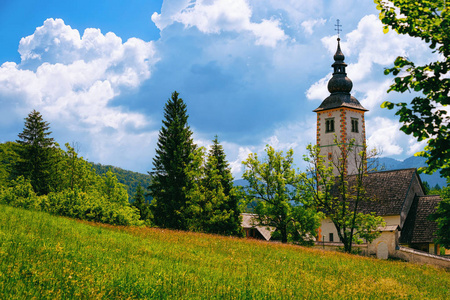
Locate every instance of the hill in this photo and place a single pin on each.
(129, 178)
(48, 257)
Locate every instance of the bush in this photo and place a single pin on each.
(20, 194)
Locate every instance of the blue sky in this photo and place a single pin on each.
(250, 71)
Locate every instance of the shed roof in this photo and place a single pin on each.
(417, 228)
(248, 221)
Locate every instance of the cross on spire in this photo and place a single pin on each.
(338, 27)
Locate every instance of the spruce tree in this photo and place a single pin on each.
(169, 177)
(141, 204)
(36, 152)
(217, 164)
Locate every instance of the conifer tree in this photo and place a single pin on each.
(141, 204)
(212, 204)
(36, 151)
(217, 164)
(169, 177)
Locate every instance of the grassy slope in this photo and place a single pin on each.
(52, 257)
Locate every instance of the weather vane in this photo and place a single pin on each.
(338, 27)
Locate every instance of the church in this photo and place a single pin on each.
(398, 195)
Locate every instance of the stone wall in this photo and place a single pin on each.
(421, 257)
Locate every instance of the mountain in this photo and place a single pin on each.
(386, 163)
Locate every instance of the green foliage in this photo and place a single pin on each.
(130, 179)
(36, 153)
(73, 172)
(275, 190)
(173, 155)
(425, 117)
(8, 159)
(442, 218)
(79, 193)
(212, 204)
(141, 204)
(47, 257)
(20, 193)
(338, 196)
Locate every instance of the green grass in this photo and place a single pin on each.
(43, 256)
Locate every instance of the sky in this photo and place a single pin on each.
(250, 71)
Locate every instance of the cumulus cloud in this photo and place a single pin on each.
(215, 16)
(308, 25)
(72, 80)
(385, 135)
(319, 90)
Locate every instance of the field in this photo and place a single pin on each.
(48, 257)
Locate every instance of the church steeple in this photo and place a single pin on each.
(340, 86)
(340, 115)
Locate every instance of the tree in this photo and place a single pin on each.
(141, 204)
(442, 218)
(212, 205)
(274, 190)
(8, 158)
(425, 117)
(36, 151)
(169, 180)
(339, 197)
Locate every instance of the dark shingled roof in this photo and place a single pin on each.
(336, 100)
(417, 228)
(388, 189)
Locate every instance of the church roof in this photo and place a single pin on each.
(387, 191)
(339, 86)
(417, 228)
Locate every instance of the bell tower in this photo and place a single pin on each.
(340, 117)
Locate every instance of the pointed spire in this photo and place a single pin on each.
(339, 56)
(339, 85)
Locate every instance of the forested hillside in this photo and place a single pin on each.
(129, 178)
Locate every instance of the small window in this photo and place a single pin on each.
(330, 156)
(329, 125)
(331, 237)
(355, 125)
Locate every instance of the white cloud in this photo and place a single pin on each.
(215, 16)
(72, 79)
(308, 25)
(319, 90)
(385, 135)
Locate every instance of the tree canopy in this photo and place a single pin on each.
(426, 116)
(173, 155)
(339, 196)
(213, 202)
(36, 153)
(274, 190)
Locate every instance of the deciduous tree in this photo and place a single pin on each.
(426, 117)
(339, 197)
(442, 218)
(274, 190)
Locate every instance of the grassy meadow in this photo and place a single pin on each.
(48, 257)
